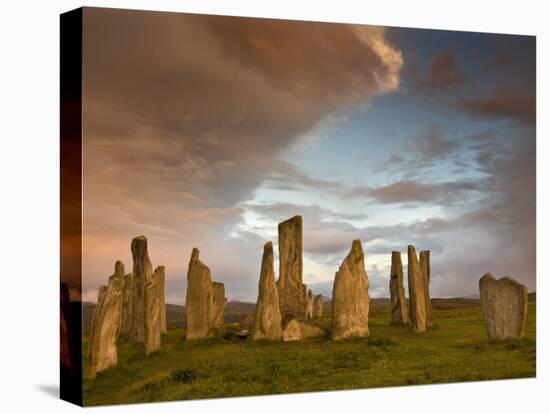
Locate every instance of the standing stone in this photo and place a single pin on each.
(127, 295)
(218, 300)
(152, 321)
(318, 306)
(399, 314)
(198, 299)
(102, 345)
(297, 330)
(143, 273)
(160, 271)
(267, 318)
(425, 266)
(417, 298)
(291, 297)
(504, 305)
(309, 305)
(350, 296)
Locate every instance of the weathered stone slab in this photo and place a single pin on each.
(425, 266)
(291, 298)
(198, 299)
(504, 305)
(399, 313)
(297, 330)
(218, 302)
(309, 305)
(127, 295)
(143, 273)
(160, 271)
(318, 306)
(417, 298)
(350, 296)
(102, 345)
(153, 309)
(267, 318)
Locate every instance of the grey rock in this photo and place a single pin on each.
(399, 314)
(297, 331)
(143, 273)
(267, 318)
(350, 296)
(417, 298)
(425, 266)
(218, 302)
(102, 346)
(504, 306)
(198, 298)
(291, 298)
(318, 306)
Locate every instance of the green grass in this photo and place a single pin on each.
(456, 349)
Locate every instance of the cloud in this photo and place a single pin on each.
(409, 191)
(504, 102)
(286, 176)
(443, 73)
(185, 116)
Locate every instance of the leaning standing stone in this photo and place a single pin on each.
(153, 318)
(218, 301)
(399, 314)
(143, 273)
(198, 299)
(102, 345)
(425, 266)
(350, 296)
(291, 298)
(504, 305)
(267, 318)
(417, 298)
(318, 306)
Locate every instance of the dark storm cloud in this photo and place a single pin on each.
(443, 72)
(504, 102)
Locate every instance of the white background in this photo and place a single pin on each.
(29, 206)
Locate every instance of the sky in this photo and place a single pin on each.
(207, 131)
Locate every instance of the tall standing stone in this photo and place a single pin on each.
(152, 321)
(399, 314)
(160, 271)
(504, 306)
(218, 301)
(198, 298)
(318, 306)
(425, 266)
(309, 305)
(417, 298)
(143, 273)
(350, 296)
(267, 318)
(291, 298)
(127, 295)
(102, 344)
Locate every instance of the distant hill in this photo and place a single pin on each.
(235, 310)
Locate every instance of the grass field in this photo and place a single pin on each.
(456, 349)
